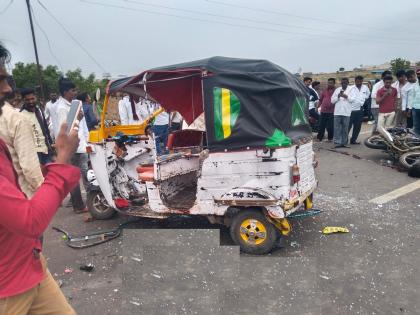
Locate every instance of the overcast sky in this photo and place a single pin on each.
(127, 36)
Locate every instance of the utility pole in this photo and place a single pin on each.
(40, 79)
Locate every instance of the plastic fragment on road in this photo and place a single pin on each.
(334, 229)
(87, 217)
(294, 244)
(68, 270)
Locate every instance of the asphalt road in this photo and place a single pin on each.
(374, 269)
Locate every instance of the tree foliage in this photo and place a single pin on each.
(26, 76)
(399, 64)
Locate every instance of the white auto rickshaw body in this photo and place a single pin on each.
(254, 161)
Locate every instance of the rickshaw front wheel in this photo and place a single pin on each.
(98, 206)
(252, 231)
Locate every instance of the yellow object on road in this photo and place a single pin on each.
(334, 229)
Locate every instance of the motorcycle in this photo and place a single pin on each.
(122, 184)
(401, 143)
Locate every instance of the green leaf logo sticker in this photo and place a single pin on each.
(226, 111)
(278, 139)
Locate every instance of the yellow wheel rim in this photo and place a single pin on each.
(253, 231)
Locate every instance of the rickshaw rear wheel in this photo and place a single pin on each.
(252, 231)
(98, 207)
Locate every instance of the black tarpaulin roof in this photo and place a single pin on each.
(247, 103)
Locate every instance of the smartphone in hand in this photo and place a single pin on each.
(72, 118)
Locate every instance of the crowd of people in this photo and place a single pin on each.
(25, 124)
(40, 164)
(388, 103)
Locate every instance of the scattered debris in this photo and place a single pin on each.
(88, 268)
(324, 277)
(294, 244)
(135, 303)
(60, 282)
(304, 213)
(335, 229)
(136, 259)
(156, 276)
(68, 270)
(87, 217)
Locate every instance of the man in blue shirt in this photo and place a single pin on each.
(413, 103)
(91, 120)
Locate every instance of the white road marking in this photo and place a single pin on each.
(396, 193)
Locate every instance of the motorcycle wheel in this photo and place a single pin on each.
(98, 207)
(409, 159)
(375, 142)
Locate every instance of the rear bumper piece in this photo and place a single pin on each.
(291, 206)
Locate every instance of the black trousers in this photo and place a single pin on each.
(356, 118)
(314, 113)
(410, 121)
(326, 122)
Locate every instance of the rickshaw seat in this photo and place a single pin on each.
(145, 168)
(147, 176)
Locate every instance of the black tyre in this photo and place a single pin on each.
(252, 231)
(375, 142)
(98, 207)
(408, 159)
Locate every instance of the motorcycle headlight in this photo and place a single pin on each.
(90, 176)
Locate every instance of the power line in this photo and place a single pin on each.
(6, 7)
(229, 24)
(262, 22)
(48, 40)
(306, 18)
(71, 36)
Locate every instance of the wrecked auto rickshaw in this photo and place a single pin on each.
(251, 168)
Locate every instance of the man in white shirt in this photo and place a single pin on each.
(342, 112)
(359, 93)
(176, 121)
(80, 158)
(128, 116)
(402, 87)
(412, 80)
(51, 115)
(375, 106)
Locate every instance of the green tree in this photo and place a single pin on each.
(83, 84)
(26, 76)
(399, 64)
